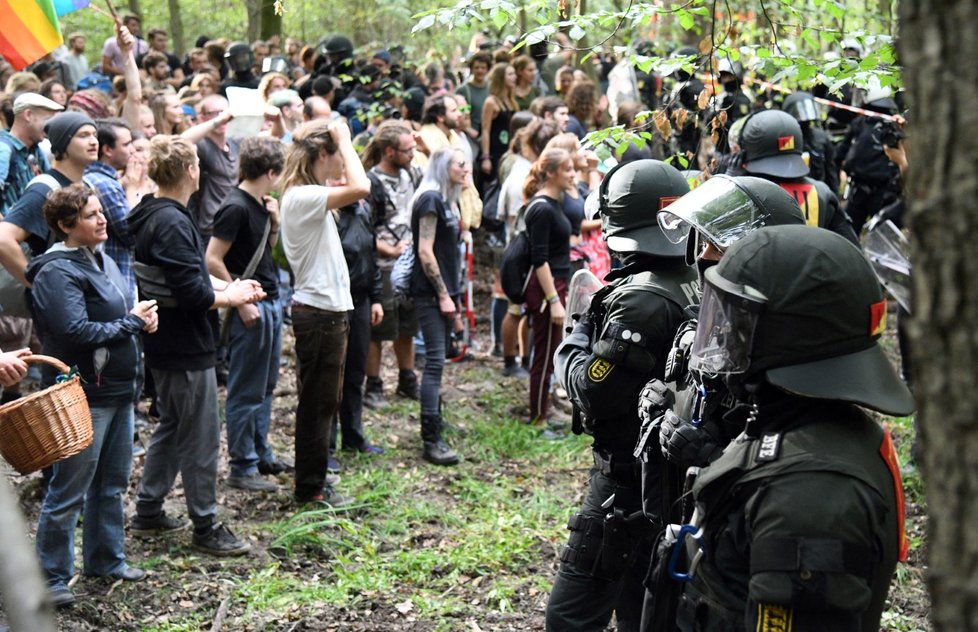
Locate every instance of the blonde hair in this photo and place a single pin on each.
(23, 82)
(566, 141)
(546, 165)
(169, 158)
(266, 81)
(300, 158)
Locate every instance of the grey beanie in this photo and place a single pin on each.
(60, 129)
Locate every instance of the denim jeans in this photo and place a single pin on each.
(434, 330)
(187, 441)
(320, 348)
(97, 479)
(252, 375)
(351, 408)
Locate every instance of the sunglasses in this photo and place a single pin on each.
(465, 109)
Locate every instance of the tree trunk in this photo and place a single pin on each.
(937, 41)
(254, 10)
(134, 8)
(176, 28)
(271, 24)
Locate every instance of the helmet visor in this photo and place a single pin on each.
(718, 209)
(805, 110)
(725, 331)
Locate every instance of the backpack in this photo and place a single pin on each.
(491, 221)
(516, 269)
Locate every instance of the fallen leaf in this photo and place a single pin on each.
(404, 607)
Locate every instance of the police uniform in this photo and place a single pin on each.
(611, 353)
(799, 524)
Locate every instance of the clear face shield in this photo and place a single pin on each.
(717, 209)
(725, 331)
(805, 110)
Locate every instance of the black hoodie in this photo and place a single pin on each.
(166, 237)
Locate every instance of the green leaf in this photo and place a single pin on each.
(763, 52)
(576, 33)
(499, 18)
(424, 23)
(686, 20)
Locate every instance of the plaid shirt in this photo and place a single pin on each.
(120, 243)
(18, 165)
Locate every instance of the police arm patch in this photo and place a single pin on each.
(599, 370)
(773, 618)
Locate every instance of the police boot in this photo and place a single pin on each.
(435, 449)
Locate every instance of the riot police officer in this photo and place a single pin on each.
(612, 352)
(733, 104)
(240, 60)
(798, 525)
(684, 95)
(771, 144)
(821, 152)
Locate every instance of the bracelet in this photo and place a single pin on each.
(553, 298)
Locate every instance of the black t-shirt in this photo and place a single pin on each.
(445, 247)
(171, 61)
(549, 231)
(28, 213)
(574, 207)
(241, 221)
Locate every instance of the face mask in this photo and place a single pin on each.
(702, 265)
(730, 86)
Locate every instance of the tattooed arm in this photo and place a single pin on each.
(427, 226)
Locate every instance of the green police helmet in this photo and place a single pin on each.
(820, 313)
(629, 198)
(723, 209)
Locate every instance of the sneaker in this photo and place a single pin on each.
(275, 467)
(252, 482)
(159, 525)
(218, 540)
(374, 399)
(515, 370)
(333, 466)
(332, 479)
(369, 448)
(61, 596)
(328, 497)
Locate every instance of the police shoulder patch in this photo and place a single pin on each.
(773, 618)
(599, 370)
(769, 448)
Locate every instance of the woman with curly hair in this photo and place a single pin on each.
(496, 112)
(582, 103)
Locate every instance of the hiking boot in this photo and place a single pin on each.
(407, 384)
(218, 540)
(61, 596)
(373, 394)
(159, 525)
(438, 453)
(328, 497)
(252, 482)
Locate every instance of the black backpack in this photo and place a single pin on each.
(491, 221)
(515, 269)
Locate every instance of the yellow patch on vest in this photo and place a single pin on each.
(599, 370)
(772, 618)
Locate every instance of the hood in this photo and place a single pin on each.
(141, 213)
(57, 251)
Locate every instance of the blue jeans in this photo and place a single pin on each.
(97, 479)
(435, 331)
(252, 375)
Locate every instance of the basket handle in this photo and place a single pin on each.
(56, 363)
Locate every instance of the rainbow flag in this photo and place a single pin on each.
(64, 7)
(30, 31)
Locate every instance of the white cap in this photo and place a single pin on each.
(34, 100)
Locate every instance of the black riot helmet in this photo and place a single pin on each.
(724, 209)
(683, 51)
(801, 309)
(336, 47)
(771, 144)
(276, 63)
(803, 106)
(629, 198)
(239, 57)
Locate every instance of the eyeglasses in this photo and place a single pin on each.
(461, 164)
(465, 109)
(209, 114)
(407, 150)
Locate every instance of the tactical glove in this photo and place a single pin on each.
(654, 400)
(687, 445)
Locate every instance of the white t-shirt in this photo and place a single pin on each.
(313, 248)
(511, 194)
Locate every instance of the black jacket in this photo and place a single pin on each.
(360, 249)
(83, 318)
(166, 237)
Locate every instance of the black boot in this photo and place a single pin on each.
(435, 449)
(407, 384)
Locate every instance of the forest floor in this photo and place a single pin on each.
(472, 547)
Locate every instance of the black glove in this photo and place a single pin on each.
(654, 400)
(584, 324)
(688, 445)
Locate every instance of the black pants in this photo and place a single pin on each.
(582, 602)
(351, 406)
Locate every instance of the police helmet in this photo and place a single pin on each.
(780, 280)
(802, 106)
(724, 209)
(726, 66)
(336, 46)
(276, 63)
(684, 51)
(876, 96)
(629, 198)
(771, 144)
(239, 57)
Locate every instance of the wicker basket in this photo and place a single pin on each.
(47, 426)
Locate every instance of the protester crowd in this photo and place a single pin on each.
(165, 249)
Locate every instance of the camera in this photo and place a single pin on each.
(889, 134)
